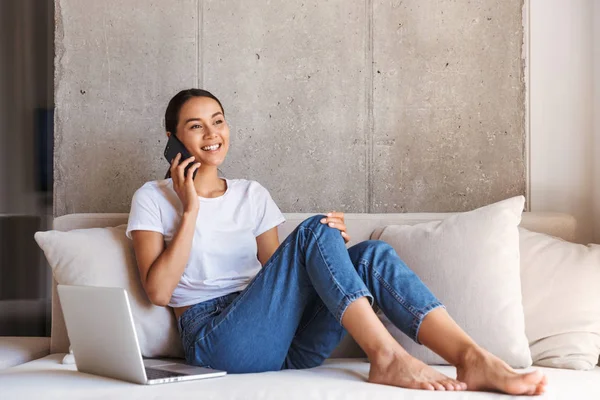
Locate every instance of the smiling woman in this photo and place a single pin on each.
(208, 247)
(179, 107)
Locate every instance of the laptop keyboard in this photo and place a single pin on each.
(152, 373)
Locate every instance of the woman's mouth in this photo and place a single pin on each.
(213, 148)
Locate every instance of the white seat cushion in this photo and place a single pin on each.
(19, 350)
(336, 379)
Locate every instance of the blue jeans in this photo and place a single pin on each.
(289, 316)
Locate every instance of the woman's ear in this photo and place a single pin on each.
(168, 134)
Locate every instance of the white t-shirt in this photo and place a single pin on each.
(223, 257)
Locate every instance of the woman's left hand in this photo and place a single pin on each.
(336, 220)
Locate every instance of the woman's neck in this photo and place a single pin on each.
(208, 184)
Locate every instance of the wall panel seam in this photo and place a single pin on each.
(369, 131)
(199, 44)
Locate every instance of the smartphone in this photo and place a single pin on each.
(173, 147)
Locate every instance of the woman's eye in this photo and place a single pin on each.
(196, 126)
(220, 121)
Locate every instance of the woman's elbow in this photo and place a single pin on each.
(158, 298)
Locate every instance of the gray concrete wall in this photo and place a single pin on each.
(358, 106)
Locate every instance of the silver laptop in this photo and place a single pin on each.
(104, 342)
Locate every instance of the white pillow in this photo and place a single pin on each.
(105, 257)
(470, 261)
(561, 299)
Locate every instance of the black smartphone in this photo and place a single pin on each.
(173, 147)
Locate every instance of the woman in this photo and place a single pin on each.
(208, 248)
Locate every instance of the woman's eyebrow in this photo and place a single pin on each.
(198, 119)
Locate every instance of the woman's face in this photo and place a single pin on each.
(201, 124)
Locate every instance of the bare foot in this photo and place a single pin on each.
(406, 371)
(481, 370)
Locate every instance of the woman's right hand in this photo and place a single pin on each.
(184, 186)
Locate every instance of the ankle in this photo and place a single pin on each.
(469, 355)
(385, 356)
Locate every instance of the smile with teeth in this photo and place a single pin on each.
(211, 148)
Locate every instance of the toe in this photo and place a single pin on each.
(438, 386)
(533, 377)
(532, 390)
(524, 383)
(541, 387)
(539, 390)
(448, 384)
(456, 385)
(427, 386)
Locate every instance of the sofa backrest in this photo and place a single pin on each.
(359, 226)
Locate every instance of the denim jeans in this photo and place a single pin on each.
(289, 316)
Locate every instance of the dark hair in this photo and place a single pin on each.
(174, 107)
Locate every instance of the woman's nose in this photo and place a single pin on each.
(209, 132)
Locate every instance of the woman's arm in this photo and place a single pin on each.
(161, 268)
(267, 243)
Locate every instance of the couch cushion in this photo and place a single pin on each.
(18, 350)
(105, 257)
(470, 261)
(561, 300)
(360, 226)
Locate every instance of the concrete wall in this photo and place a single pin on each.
(359, 106)
(561, 96)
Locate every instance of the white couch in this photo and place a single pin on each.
(342, 376)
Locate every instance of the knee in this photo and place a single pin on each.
(378, 250)
(317, 229)
(381, 246)
(313, 222)
(376, 246)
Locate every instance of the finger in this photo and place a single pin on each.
(181, 168)
(335, 220)
(346, 237)
(190, 173)
(174, 162)
(337, 225)
(338, 215)
(335, 214)
(185, 162)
